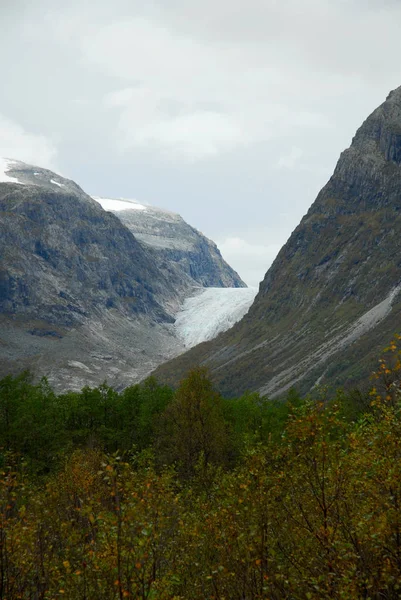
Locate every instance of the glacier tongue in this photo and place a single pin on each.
(211, 312)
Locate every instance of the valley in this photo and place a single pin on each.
(89, 294)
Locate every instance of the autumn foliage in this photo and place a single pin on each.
(205, 497)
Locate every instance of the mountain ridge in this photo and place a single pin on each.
(81, 298)
(180, 251)
(340, 263)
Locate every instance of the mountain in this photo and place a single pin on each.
(181, 253)
(331, 299)
(81, 298)
(58, 238)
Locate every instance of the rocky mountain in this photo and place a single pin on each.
(181, 253)
(331, 300)
(81, 298)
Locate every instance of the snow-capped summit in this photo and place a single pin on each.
(6, 165)
(16, 171)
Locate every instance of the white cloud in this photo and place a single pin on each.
(19, 144)
(251, 261)
(191, 98)
(186, 137)
(120, 98)
(147, 121)
(199, 79)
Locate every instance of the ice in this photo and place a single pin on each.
(5, 165)
(211, 312)
(56, 183)
(121, 204)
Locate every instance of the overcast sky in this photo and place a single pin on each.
(231, 112)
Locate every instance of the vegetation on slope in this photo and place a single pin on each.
(341, 262)
(153, 494)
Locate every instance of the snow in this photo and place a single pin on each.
(6, 165)
(211, 312)
(79, 365)
(56, 183)
(120, 204)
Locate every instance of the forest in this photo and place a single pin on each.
(152, 493)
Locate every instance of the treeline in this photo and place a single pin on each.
(42, 427)
(158, 495)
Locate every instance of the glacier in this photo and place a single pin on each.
(210, 312)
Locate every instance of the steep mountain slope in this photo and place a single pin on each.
(52, 240)
(331, 299)
(181, 253)
(77, 290)
(81, 298)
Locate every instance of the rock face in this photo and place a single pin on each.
(331, 300)
(181, 253)
(64, 257)
(81, 298)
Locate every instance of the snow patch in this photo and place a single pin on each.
(79, 365)
(120, 204)
(211, 312)
(6, 165)
(55, 182)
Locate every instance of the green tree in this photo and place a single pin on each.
(193, 426)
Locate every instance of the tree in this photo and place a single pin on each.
(193, 426)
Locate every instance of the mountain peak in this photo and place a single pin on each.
(6, 165)
(380, 134)
(16, 171)
(331, 299)
(394, 95)
(175, 244)
(86, 294)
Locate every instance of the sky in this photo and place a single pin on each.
(232, 113)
